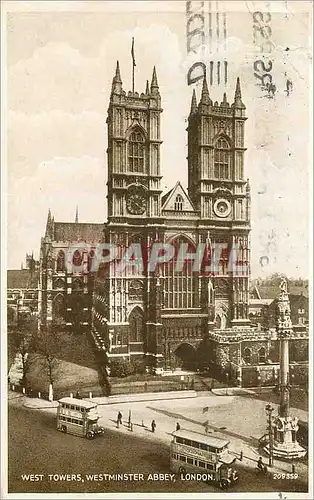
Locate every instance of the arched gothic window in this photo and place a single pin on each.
(58, 307)
(136, 328)
(136, 152)
(77, 258)
(247, 355)
(178, 279)
(222, 159)
(262, 355)
(178, 204)
(61, 261)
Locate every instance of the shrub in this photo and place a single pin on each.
(139, 367)
(120, 368)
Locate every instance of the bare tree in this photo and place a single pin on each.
(45, 344)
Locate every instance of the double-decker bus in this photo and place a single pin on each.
(78, 417)
(196, 456)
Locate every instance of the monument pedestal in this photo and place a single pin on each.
(285, 445)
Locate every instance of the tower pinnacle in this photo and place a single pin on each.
(193, 103)
(238, 96)
(117, 82)
(49, 225)
(224, 100)
(154, 85)
(76, 215)
(205, 99)
(118, 75)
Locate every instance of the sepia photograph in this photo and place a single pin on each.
(156, 173)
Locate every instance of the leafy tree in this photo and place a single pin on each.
(21, 342)
(46, 344)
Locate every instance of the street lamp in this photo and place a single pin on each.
(269, 410)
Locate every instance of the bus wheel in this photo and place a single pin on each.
(63, 428)
(90, 435)
(224, 484)
(182, 470)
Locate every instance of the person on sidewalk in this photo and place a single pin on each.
(119, 419)
(178, 427)
(260, 465)
(153, 425)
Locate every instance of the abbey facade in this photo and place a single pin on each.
(166, 314)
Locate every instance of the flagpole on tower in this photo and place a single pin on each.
(133, 64)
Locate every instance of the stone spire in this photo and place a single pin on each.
(238, 96)
(147, 87)
(154, 85)
(193, 103)
(117, 82)
(49, 225)
(224, 100)
(205, 99)
(76, 215)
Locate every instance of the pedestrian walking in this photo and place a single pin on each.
(119, 419)
(153, 425)
(178, 427)
(78, 396)
(206, 427)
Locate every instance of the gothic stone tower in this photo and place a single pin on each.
(124, 312)
(221, 196)
(138, 313)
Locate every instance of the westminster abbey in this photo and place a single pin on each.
(168, 316)
(152, 316)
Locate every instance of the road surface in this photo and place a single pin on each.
(36, 447)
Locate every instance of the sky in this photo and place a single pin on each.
(59, 66)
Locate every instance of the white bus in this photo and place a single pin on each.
(197, 456)
(78, 417)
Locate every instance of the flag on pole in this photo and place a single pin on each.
(132, 52)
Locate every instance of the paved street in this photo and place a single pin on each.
(37, 448)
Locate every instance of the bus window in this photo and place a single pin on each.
(77, 408)
(204, 446)
(72, 407)
(210, 466)
(195, 444)
(179, 440)
(190, 461)
(182, 458)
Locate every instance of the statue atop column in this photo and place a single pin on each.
(284, 286)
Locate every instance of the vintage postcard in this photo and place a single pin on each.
(156, 242)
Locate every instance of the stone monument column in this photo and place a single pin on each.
(285, 427)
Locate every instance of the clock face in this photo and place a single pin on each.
(136, 200)
(222, 207)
